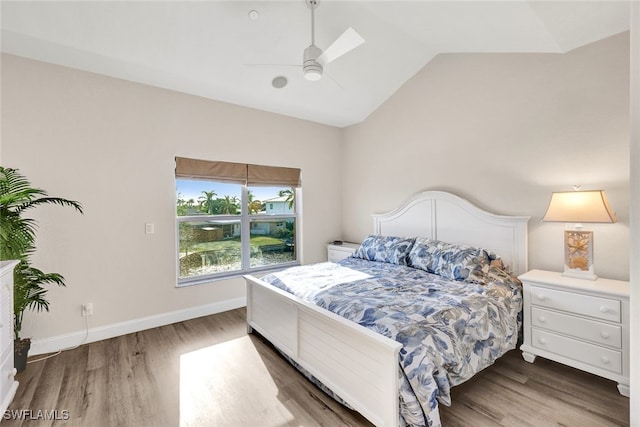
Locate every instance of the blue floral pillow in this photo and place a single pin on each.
(389, 249)
(457, 262)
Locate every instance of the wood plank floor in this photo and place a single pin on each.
(209, 372)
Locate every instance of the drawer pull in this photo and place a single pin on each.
(604, 360)
(604, 309)
(12, 373)
(542, 319)
(542, 341)
(542, 297)
(604, 334)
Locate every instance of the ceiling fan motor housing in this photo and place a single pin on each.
(312, 69)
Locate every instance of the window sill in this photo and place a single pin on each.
(234, 275)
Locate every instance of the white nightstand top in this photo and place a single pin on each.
(598, 286)
(345, 245)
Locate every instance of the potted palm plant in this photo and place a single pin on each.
(17, 241)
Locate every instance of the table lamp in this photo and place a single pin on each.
(577, 207)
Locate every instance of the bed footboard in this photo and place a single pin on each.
(357, 364)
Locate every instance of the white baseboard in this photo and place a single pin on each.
(65, 341)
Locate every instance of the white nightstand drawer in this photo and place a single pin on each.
(587, 305)
(597, 332)
(591, 354)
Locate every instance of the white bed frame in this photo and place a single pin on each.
(359, 365)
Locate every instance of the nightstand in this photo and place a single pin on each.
(337, 252)
(577, 322)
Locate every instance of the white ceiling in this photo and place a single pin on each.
(211, 48)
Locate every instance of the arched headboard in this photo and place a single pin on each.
(449, 218)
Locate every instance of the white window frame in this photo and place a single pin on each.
(245, 239)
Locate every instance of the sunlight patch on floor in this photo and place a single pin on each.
(214, 379)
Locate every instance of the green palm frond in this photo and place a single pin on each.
(17, 238)
(49, 200)
(29, 291)
(17, 234)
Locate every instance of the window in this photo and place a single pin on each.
(233, 219)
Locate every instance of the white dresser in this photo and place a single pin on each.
(337, 252)
(8, 385)
(581, 323)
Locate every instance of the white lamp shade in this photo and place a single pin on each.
(579, 206)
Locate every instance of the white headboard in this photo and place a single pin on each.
(449, 218)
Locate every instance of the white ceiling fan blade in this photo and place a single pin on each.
(347, 41)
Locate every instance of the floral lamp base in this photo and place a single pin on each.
(578, 255)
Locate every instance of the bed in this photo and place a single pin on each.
(351, 335)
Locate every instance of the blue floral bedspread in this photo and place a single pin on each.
(449, 329)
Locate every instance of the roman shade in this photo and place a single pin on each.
(273, 175)
(241, 173)
(205, 169)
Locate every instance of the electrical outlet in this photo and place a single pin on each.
(86, 309)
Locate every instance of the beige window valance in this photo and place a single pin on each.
(241, 173)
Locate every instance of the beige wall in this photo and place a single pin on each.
(503, 131)
(110, 144)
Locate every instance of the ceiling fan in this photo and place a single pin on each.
(314, 59)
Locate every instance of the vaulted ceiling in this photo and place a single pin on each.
(219, 50)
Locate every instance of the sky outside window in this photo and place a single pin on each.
(192, 189)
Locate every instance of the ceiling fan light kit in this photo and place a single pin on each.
(311, 68)
(313, 73)
(314, 58)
